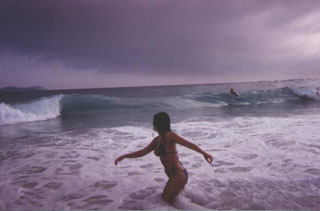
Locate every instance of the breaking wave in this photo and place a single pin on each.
(51, 107)
(40, 109)
(256, 97)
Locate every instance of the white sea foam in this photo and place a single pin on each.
(42, 109)
(259, 163)
(307, 92)
(270, 161)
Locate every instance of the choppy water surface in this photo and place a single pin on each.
(266, 147)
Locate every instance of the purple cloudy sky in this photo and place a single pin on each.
(105, 43)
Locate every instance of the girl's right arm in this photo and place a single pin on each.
(138, 153)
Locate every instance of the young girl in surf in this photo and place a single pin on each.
(164, 146)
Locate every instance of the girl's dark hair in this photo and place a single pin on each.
(161, 120)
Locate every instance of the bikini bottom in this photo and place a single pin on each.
(184, 172)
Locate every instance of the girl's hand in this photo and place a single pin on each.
(119, 159)
(208, 157)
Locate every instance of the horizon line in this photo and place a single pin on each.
(162, 85)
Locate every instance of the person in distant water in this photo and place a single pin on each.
(318, 93)
(233, 92)
(164, 146)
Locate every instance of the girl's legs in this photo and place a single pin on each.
(173, 187)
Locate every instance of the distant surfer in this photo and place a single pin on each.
(233, 92)
(164, 146)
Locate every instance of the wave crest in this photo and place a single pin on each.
(40, 109)
(307, 93)
(54, 106)
(256, 97)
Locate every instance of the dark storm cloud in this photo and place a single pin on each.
(171, 37)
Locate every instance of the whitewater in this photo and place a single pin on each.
(57, 148)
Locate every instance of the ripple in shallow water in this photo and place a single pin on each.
(248, 156)
(53, 185)
(159, 180)
(29, 185)
(144, 193)
(105, 184)
(222, 163)
(240, 169)
(279, 143)
(72, 196)
(94, 158)
(70, 155)
(313, 171)
(100, 200)
(312, 202)
(133, 173)
(69, 168)
(30, 170)
(146, 166)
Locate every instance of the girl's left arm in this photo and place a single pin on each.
(178, 139)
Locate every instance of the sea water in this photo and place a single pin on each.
(57, 148)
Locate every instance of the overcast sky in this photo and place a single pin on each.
(63, 44)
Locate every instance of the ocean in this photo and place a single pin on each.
(57, 148)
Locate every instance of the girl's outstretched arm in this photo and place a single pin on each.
(138, 153)
(178, 139)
